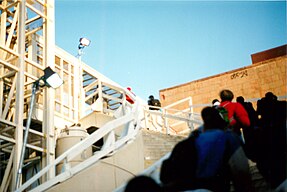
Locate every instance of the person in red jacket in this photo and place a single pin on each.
(238, 117)
(128, 98)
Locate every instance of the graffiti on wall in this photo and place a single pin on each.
(239, 74)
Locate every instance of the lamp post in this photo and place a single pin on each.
(49, 79)
(84, 42)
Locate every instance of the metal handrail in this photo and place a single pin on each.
(168, 113)
(131, 131)
(128, 119)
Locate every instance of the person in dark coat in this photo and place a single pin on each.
(153, 102)
(271, 147)
(207, 160)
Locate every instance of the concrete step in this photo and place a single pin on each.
(156, 145)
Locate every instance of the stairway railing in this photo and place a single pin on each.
(130, 116)
(132, 126)
(165, 119)
(102, 94)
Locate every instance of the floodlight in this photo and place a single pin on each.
(51, 78)
(84, 42)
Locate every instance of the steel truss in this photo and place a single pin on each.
(26, 48)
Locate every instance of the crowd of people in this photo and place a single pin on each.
(217, 154)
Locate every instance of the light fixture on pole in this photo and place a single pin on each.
(49, 79)
(84, 42)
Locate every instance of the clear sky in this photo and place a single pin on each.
(153, 45)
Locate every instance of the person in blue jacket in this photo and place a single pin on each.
(208, 160)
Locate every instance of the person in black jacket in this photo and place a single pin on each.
(153, 102)
(271, 146)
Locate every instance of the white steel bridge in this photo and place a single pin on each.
(87, 100)
(88, 107)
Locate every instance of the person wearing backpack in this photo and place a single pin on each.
(207, 160)
(237, 115)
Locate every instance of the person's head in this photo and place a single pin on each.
(215, 102)
(226, 95)
(212, 119)
(240, 99)
(151, 97)
(142, 183)
(270, 96)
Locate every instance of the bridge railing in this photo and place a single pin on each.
(102, 94)
(170, 120)
(132, 125)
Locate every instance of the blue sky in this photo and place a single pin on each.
(153, 45)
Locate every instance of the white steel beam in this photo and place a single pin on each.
(19, 91)
(49, 93)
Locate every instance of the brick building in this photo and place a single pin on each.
(266, 73)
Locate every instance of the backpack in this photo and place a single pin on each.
(224, 114)
(155, 102)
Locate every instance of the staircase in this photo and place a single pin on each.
(258, 181)
(157, 144)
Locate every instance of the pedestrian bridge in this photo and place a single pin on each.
(83, 135)
(89, 109)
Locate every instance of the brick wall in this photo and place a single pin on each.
(250, 82)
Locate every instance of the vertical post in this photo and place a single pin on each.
(32, 55)
(146, 117)
(3, 28)
(3, 18)
(76, 88)
(19, 108)
(190, 124)
(1, 88)
(124, 104)
(165, 121)
(100, 87)
(49, 94)
(81, 94)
